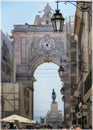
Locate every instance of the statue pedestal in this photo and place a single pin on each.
(54, 116)
(54, 108)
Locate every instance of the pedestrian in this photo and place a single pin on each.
(90, 127)
(64, 127)
(4, 127)
(72, 128)
(78, 128)
(11, 126)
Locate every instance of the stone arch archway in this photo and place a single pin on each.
(33, 49)
(44, 60)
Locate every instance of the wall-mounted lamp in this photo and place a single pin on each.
(61, 70)
(63, 98)
(62, 90)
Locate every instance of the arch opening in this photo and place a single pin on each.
(47, 79)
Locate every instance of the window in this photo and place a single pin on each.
(73, 44)
(73, 56)
(73, 68)
(73, 80)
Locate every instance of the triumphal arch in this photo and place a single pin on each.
(34, 45)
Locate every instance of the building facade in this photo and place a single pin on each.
(79, 46)
(84, 89)
(7, 60)
(7, 75)
(15, 99)
(70, 76)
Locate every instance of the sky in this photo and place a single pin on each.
(21, 12)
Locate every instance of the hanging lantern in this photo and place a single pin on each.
(57, 21)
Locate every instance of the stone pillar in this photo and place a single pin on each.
(26, 96)
(32, 92)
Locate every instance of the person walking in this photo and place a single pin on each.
(78, 128)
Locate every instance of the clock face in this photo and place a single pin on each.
(47, 44)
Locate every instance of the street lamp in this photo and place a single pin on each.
(61, 70)
(57, 20)
(62, 90)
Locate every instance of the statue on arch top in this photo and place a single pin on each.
(54, 96)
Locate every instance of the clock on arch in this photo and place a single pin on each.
(47, 44)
